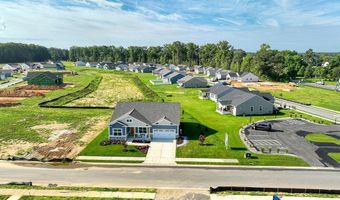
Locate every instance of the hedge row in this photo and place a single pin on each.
(60, 101)
(148, 92)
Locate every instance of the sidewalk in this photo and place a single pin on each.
(110, 158)
(72, 193)
(207, 160)
(247, 197)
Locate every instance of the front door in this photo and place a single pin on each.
(131, 131)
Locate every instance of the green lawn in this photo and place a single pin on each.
(318, 137)
(315, 96)
(335, 156)
(16, 122)
(66, 198)
(95, 149)
(199, 115)
(2, 197)
(85, 189)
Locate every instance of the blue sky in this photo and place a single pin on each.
(246, 24)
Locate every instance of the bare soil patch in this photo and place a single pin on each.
(266, 85)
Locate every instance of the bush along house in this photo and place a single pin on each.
(145, 121)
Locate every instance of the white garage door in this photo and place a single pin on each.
(164, 134)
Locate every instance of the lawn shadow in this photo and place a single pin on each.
(193, 130)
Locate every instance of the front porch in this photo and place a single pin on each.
(203, 95)
(224, 109)
(139, 133)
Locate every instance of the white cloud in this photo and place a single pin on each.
(83, 24)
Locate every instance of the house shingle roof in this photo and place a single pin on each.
(50, 75)
(149, 112)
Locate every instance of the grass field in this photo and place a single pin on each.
(318, 137)
(95, 149)
(316, 96)
(66, 198)
(2, 197)
(112, 89)
(199, 115)
(335, 156)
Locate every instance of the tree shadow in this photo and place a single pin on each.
(193, 130)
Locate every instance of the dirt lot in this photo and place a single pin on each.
(63, 142)
(266, 85)
(112, 89)
(11, 97)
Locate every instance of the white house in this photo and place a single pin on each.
(248, 77)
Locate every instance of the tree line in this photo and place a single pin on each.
(268, 63)
(17, 53)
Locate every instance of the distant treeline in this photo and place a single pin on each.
(266, 62)
(16, 53)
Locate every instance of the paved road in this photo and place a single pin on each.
(171, 177)
(324, 113)
(13, 82)
(328, 87)
(289, 134)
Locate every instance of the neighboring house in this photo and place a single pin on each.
(91, 64)
(52, 66)
(206, 69)
(145, 121)
(211, 72)
(13, 67)
(325, 64)
(199, 69)
(222, 74)
(25, 66)
(180, 68)
(122, 67)
(189, 69)
(248, 77)
(192, 82)
(79, 64)
(7, 72)
(215, 92)
(172, 67)
(144, 69)
(109, 66)
(157, 70)
(101, 65)
(238, 102)
(2, 76)
(163, 73)
(232, 76)
(173, 77)
(37, 66)
(44, 78)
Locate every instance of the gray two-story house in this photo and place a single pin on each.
(145, 121)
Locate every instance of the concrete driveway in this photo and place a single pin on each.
(161, 152)
(289, 134)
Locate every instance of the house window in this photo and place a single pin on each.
(129, 120)
(261, 108)
(142, 130)
(117, 132)
(252, 108)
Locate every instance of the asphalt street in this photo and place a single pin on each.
(328, 87)
(324, 113)
(289, 134)
(168, 177)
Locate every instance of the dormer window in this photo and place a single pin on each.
(129, 120)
